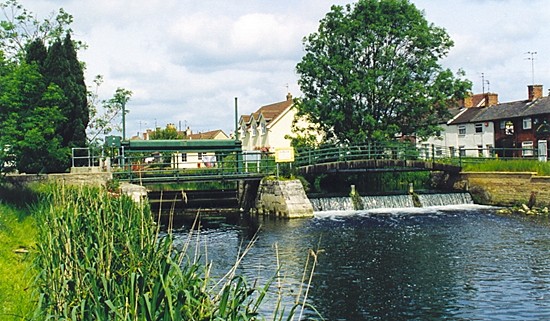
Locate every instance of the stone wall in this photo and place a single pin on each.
(75, 178)
(283, 199)
(505, 189)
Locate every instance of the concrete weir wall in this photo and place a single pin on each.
(505, 189)
(285, 199)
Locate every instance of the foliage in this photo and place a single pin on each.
(371, 72)
(62, 68)
(517, 165)
(104, 113)
(20, 27)
(170, 132)
(28, 117)
(102, 258)
(17, 241)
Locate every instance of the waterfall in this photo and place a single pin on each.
(332, 204)
(390, 201)
(445, 199)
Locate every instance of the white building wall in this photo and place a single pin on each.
(472, 143)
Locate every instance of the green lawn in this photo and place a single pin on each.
(17, 235)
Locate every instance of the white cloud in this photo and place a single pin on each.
(186, 60)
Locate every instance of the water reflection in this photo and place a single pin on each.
(431, 264)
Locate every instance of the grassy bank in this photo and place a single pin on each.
(17, 239)
(519, 165)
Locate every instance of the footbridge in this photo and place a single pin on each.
(180, 161)
(373, 158)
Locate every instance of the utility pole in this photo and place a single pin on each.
(123, 121)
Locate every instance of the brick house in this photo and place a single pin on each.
(512, 129)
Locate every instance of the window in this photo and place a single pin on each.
(452, 151)
(462, 130)
(479, 128)
(263, 129)
(480, 150)
(438, 151)
(254, 130)
(527, 148)
(502, 124)
(200, 155)
(527, 123)
(461, 151)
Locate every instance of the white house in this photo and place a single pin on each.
(269, 127)
(462, 135)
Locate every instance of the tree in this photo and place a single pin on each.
(170, 132)
(29, 113)
(371, 72)
(104, 113)
(20, 27)
(62, 68)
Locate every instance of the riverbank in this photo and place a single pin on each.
(17, 241)
(103, 256)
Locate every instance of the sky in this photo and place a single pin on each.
(186, 61)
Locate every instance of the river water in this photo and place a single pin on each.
(461, 262)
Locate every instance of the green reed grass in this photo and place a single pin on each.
(102, 257)
(519, 165)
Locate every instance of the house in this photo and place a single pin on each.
(269, 127)
(460, 134)
(213, 134)
(484, 127)
(198, 160)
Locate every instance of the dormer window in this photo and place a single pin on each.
(263, 129)
(254, 130)
(242, 132)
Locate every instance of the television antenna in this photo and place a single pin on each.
(532, 58)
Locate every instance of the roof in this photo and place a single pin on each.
(515, 109)
(269, 112)
(207, 135)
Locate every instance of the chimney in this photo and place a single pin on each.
(534, 92)
(468, 101)
(491, 99)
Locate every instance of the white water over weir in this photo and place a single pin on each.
(389, 201)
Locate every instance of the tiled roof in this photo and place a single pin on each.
(207, 135)
(269, 112)
(466, 115)
(514, 109)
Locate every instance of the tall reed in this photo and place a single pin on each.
(101, 258)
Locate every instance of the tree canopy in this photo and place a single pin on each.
(170, 132)
(371, 72)
(44, 106)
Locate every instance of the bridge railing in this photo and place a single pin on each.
(191, 166)
(327, 154)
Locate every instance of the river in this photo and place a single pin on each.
(461, 262)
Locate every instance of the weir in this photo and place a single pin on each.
(389, 201)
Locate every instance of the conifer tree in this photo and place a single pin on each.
(63, 69)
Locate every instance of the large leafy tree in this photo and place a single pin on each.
(371, 72)
(29, 112)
